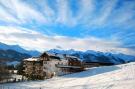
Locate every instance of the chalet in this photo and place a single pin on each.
(49, 65)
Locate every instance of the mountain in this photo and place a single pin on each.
(12, 56)
(18, 49)
(94, 56)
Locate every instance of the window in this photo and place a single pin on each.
(45, 62)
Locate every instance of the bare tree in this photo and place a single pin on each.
(4, 73)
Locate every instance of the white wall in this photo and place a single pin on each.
(50, 66)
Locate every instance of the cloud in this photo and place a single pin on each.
(64, 15)
(21, 11)
(91, 13)
(86, 11)
(105, 12)
(6, 17)
(34, 40)
(124, 15)
(20, 15)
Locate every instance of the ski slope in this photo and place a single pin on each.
(108, 77)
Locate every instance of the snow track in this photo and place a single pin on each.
(111, 77)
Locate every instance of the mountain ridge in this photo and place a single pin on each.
(88, 55)
(18, 48)
(12, 56)
(96, 56)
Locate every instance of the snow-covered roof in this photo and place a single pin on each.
(59, 56)
(55, 57)
(62, 56)
(73, 57)
(31, 59)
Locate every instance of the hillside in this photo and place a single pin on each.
(12, 56)
(19, 49)
(110, 77)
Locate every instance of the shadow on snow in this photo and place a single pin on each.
(92, 72)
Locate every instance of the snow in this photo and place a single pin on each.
(107, 77)
(31, 59)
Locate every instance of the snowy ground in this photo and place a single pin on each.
(112, 77)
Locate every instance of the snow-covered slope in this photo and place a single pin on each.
(110, 77)
(96, 56)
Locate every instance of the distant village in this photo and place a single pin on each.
(49, 65)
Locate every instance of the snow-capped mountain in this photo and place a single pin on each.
(18, 49)
(94, 56)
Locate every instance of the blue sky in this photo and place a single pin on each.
(100, 25)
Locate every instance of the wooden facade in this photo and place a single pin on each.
(73, 65)
(33, 69)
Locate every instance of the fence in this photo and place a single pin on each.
(12, 80)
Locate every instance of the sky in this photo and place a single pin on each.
(100, 25)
